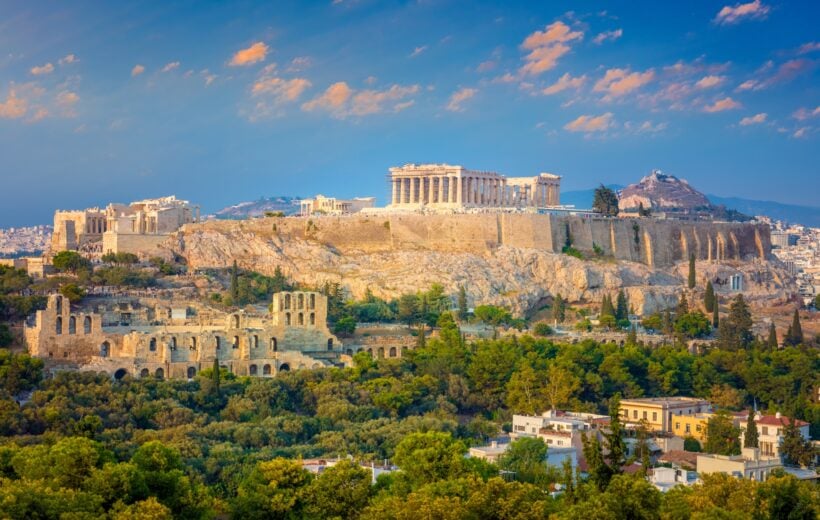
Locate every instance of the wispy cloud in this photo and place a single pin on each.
(48, 68)
(619, 82)
(740, 12)
(784, 73)
(564, 82)
(458, 97)
(808, 47)
(137, 70)
(801, 132)
(299, 63)
(68, 59)
(13, 107)
(607, 36)
(170, 66)
(253, 54)
(342, 101)
(721, 105)
(709, 82)
(66, 101)
(801, 114)
(754, 120)
(418, 50)
(589, 124)
(280, 89)
(546, 47)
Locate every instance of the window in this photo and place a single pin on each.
(765, 430)
(152, 345)
(72, 325)
(59, 325)
(87, 325)
(677, 426)
(688, 428)
(645, 415)
(654, 416)
(634, 414)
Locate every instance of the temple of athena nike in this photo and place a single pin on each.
(442, 186)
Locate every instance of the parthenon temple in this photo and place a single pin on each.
(452, 187)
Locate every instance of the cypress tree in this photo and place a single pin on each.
(692, 275)
(462, 303)
(622, 309)
(709, 297)
(667, 322)
(559, 308)
(234, 281)
(772, 341)
(216, 375)
(606, 306)
(796, 334)
(750, 438)
(632, 336)
(715, 317)
(422, 338)
(683, 306)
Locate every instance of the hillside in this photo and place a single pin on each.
(661, 192)
(258, 208)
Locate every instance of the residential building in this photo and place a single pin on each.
(749, 464)
(658, 412)
(770, 430)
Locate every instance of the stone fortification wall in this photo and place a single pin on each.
(656, 243)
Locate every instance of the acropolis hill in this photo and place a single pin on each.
(506, 258)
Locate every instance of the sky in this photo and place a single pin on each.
(222, 102)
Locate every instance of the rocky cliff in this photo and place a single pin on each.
(662, 192)
(505, 259)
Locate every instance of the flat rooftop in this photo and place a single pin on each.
(665, 401)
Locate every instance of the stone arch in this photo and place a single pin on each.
(120, 373)
(266, 369)
(152, 345)
(287, 301)
(393, 352)
(160, 373)
(58, 325)
(381, 352)
(191, 372)
(300, 319)
(252, 370)
(235, 342)
(255, 341)
(173, 342)
(145, 372)
(312, 301)
(312, 319)
(58, 301)
(105, 349)
(274, 345)
(287, 318)
(316, 365)
(370, 351)
(300, 301)
(349, 352)
(72, 325)
(235, 321)
(87, 325)
(218, 342)
(284, 367)
(330, 343)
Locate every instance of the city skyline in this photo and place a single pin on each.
(221, 104)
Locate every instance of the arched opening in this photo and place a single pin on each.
(72, 325)
(312, 320)
(152, 345)
(266, 370)
(274, 345)
(370, 351)
(236, 321)
(393, 352)
(255, 341)
(381, 352)
(59, 304)
(252, 370)
(316, 365)
(105, 349)
(193, 343)
(312, 301)
(287, 301)
(191, 372)
(300, 301)
(119, 374)
(58, 325)
(87, 325)
(300, 319)
(173, 343)
(218, 342)
(349, 352)
(287, 318)
(284, 367)
(330, 343)
(144, 372)
(235, 342)
(160, 373)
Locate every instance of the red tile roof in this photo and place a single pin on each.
(771, 420)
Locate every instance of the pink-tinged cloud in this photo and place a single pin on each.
(721, 105)
(39, 115)
(619, 82)
(564, 82)
(546, 47)
(486, 66)
(137, 70)
(65, 102)
(458, 97)
(801, 132)
(709, 82)
(754, 120)
(13, 107)
(801, 114)
(253, 54)
(608, 36)
(170, 66)
(740, 12)
(333, 99)
(749, 84)
(48, 68)
(67, 59)
(808, 47)
(282, 90)
(589, 124)
(369, 102)
(418, 50)
(785, 73)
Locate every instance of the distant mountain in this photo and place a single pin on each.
(805, 215)
(258, 208)
(661, 192)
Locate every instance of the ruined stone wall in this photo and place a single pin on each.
(140, 245)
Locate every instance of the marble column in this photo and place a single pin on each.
(440, 190)
(413, 190)
(395, 191)
(431, 189)
(401, 191)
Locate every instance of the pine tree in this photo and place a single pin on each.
(568, 481)
(692, 275)
(622, 308)
(772, 341)
(750, 437)
(709, 297)
(683, 306)
(606, 306)
(632, 336)
(234, 281)
(422, 338)
(715, 317)
(614, 444)
(795, 337)
(666, 323)
(462, 303)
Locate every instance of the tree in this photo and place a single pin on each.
(73, 292)
(568, 481)
(6, 337)
(709, 300)
(667, 323)
(542, 329)
(462, 303)
(71, 261)
(235, 281)
(215, 376)
(735, 331)
(560, 387)
(642, 211)
(716, 317)
(795, 336)
(693, 325)
(341, 491)
(429, 457)
(526, 457)
(345, 326)
(817, 302)
(683, 306)
(605, 201)
(408, 309)
(622, 308)
(722, 436)
(559, 308)
(492, 315)
(526, 392)
(771, 342)
(750, 435)
(692, 275)
(795, 449)
(274, 489)
(614, 438)
(606, 306)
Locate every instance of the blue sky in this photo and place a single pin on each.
(218, 103)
